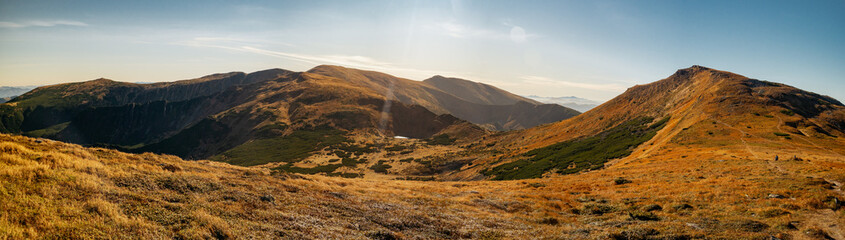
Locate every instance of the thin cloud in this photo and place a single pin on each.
(354, 61)
(457, 30)
(240, 41)
(610, 87)
(42, 23)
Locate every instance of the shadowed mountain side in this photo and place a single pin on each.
(55, 104)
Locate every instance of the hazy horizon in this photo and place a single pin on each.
(592, 50)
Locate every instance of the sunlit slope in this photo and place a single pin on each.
(705, 108)
(475, 102)
(54, 190)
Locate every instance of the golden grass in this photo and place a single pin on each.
(56, 190)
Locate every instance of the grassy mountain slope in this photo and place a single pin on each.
(706, 108)
(267, 117)
(50, 189)
(478, 103)
(475, 92)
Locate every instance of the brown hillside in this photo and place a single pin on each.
(697, 93)
(706, 108)
(246, 119)
(475, 92)
(478, 103)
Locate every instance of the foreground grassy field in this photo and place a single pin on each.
(53, 190)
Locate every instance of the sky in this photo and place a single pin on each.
(589, 49)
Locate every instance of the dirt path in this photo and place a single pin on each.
(742, 138)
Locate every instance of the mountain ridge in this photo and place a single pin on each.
(695, 100)
(221, 113)
(441, 102)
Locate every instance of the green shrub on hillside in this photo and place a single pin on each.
(290, 148)
(356, 149)
(396, 148)
(11, 119)
(271, 130)
(587, 153)
(380, 167)
(442, 139)
(318, 169)
(345, 175)
(49, 131)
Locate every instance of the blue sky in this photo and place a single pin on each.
(589, 49)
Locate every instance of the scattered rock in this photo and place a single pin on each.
(683, 206)
(637, 233)
(549, 221)
(38, 141)
(170, 167)
(382, 235)
(620, 181)
(778, 196)
(268, 198)
(338, 195)
(643, 216)
(817, 233)
(748, 226)
(473, 192)
(695, 226)
(652, 207)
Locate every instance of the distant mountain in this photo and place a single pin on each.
(7, 93)
(580, 104)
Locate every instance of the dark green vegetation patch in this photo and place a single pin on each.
(442, 139)
(581, 154)
(381, 167)
(290, 148)
(11, 119)
(314, 170)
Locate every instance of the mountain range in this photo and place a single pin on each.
(701, 154)
(579, 104)
(220, 116)
(7, 93)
